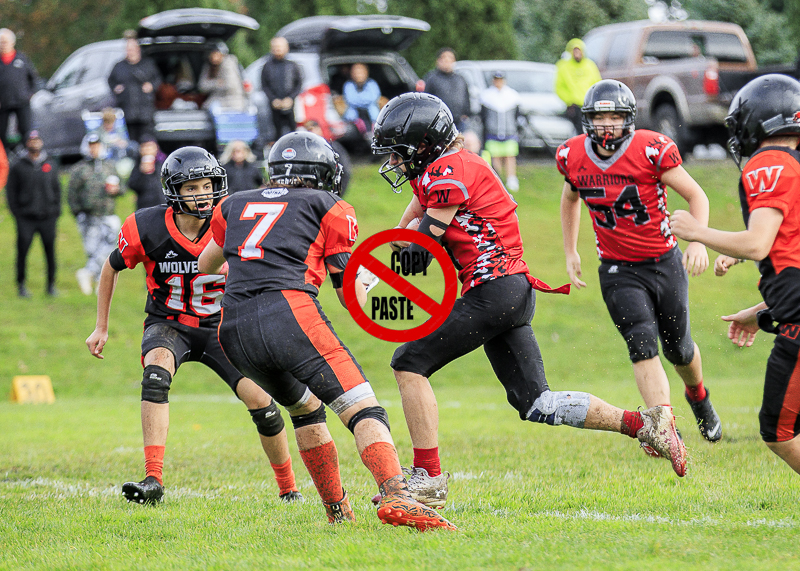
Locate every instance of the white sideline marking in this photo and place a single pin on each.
(56, 489)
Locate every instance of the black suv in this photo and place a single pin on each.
(325, 47)
(174, 40)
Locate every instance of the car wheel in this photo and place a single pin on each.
(667, 122)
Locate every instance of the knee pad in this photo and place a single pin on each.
(155, 384)
(560, 407)
(268, 420)
(316, 417)
(376, 412)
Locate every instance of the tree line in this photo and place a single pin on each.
(49, 30)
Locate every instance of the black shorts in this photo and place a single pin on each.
(285, 343)
(496, 314)
(188, 343)
(650, 300)
(779, 418)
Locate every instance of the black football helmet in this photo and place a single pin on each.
(768, 105)
(192, 163)
(608, 95)
(403, 125)
(308, 157)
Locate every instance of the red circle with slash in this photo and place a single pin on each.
(438, 312)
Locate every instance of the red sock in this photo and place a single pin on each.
(284, 475)
(631, 423)
(696, 394)
(428, 458)
(154, 462)
(380, 458)
(322, 463)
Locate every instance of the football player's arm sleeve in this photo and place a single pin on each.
(129, 244)
(116, 261)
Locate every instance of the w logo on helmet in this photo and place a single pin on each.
(763, 179)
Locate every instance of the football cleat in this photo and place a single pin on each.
(291, 497)
(148, 491)
(428, 490)
(647, 449)
(707, 419)
(340, 511)
(397, 507)
(660, 434)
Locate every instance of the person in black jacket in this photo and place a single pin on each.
(281, 80)
(34, 199)
(145, 179)
(239, 163)
(449, 86)
(134, 82)
(18, 82)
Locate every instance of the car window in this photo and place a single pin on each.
(70, 73)
(686, 44)
(526, 80)
(98, 65)
(594, 48)
(619, 49)
(724, 47)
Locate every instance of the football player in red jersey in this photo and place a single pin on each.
(622, 175)
(764, 123)
(183, 311)
(461, 203)
(280, 243)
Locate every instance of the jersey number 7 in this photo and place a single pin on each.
(269, 212)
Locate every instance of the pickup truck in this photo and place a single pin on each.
(683, 74)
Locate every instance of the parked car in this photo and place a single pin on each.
(683, 74)
(545, 125)
(175, 40)
(325, 47)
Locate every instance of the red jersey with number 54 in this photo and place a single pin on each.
(624, 193)
(175, 286)
(281, 239)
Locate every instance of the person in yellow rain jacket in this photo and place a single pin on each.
(574, 76)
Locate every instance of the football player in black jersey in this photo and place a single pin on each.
(182, 314)
(280, 243)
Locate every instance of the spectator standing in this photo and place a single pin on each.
(221, 81)
(145, 179)
(240, 165)
(499, 114)
(449, 86)
(281, 80)
(93, 186)
(134, 82)
(361, 95)
(574, 76)
(18, 82)
(34, 199)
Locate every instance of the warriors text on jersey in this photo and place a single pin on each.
(177, 290)
(771, 179)
(278, 239)
(624, 193)
(483, 237)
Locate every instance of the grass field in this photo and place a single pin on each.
(524, 496)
